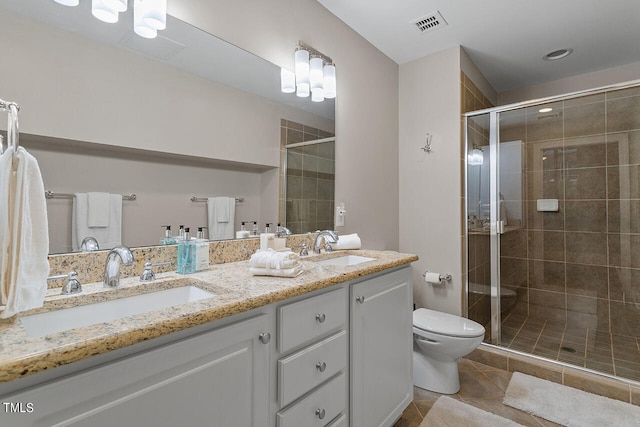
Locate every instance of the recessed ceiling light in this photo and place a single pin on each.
(557, 54)
(545, 110)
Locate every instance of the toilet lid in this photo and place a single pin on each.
(446, 324)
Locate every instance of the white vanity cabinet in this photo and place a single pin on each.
(313, 350)
(381, 349)
(216, 378)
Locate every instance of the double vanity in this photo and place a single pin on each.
(331, 347)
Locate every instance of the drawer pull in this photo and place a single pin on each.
(360, 299)
(321, 366)
(265, 337)
(321, 317)
(320, 413)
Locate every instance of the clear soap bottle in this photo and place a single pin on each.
(202, 250)
(186, 254)
(168, 238)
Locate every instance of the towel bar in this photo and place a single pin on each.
(51, 195)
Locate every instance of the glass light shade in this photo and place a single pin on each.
(315, 73)
(139, 25)
(117, 5)
(476, 157)
(68, 2)
(287, 81)
(155, 13)
(302, 66)
(317, 94)
(302, 90)
(104, 13)
(329, 81)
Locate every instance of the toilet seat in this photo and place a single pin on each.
(446, 324)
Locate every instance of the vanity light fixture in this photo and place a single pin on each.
(149, 16)
(314, 75)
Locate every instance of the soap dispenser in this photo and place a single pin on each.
(186, 254)
(202, 250)
(168, 238)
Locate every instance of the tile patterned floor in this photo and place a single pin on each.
(481, 386)
(612, 354)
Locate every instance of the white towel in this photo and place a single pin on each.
(220, 217)
(348, 241)
(24, 233)
(276, 272)
(98, 209)
(107, 237)
(273, 259)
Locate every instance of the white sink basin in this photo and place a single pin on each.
(346, 260)
(39, 325)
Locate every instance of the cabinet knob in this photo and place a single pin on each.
(360, 299)
(321, 366)
(320, 413)
(265, 337)
(321, 317)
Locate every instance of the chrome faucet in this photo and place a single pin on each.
(321, 234)
(111, 277)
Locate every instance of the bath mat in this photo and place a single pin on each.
(449, 412)
(566, 405)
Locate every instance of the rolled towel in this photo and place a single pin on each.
(348, 241)
(273, 259)
(276, 272)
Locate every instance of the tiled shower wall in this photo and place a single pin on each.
(309, 182)
(580, 265)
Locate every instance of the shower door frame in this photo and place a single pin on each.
(495, 226)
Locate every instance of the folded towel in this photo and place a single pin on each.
(273, 259)
(348, 241)
(276, 272)
(24, 233)
(220, 217)
(107, 237)
(98, 209)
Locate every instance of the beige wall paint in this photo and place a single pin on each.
(581, 82)
(366, 106)
(430, 184)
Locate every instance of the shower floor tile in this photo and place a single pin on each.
(593, 349)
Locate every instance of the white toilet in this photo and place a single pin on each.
(439, 340)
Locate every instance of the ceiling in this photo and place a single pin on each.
(506, 39)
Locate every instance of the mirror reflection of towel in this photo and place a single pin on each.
(107, 237)
(220, 217)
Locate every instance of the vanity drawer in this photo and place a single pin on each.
(304, 321)
(341, 421)
(310, 367)
(319, 408)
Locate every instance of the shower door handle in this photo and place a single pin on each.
(500, 227)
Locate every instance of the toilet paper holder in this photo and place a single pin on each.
(441, 277)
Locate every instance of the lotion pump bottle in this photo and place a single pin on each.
(168, 239)
(255, 228)
(186, 254)
(202, 251)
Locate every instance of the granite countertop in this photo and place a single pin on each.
(236, 291)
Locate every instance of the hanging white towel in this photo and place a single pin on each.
(107, 237)
(24, 233)
(98, 209)
(220, 217)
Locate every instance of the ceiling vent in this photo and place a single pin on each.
(429, 22)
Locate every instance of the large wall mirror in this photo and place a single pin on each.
(186, 114)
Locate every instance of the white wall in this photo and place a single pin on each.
(366, 105)
(577, 83)
(430, 184)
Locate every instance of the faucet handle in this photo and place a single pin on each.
(303, 249)
(72, 286)
(147, 274)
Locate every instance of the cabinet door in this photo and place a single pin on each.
(381, 349)
(218, 378)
